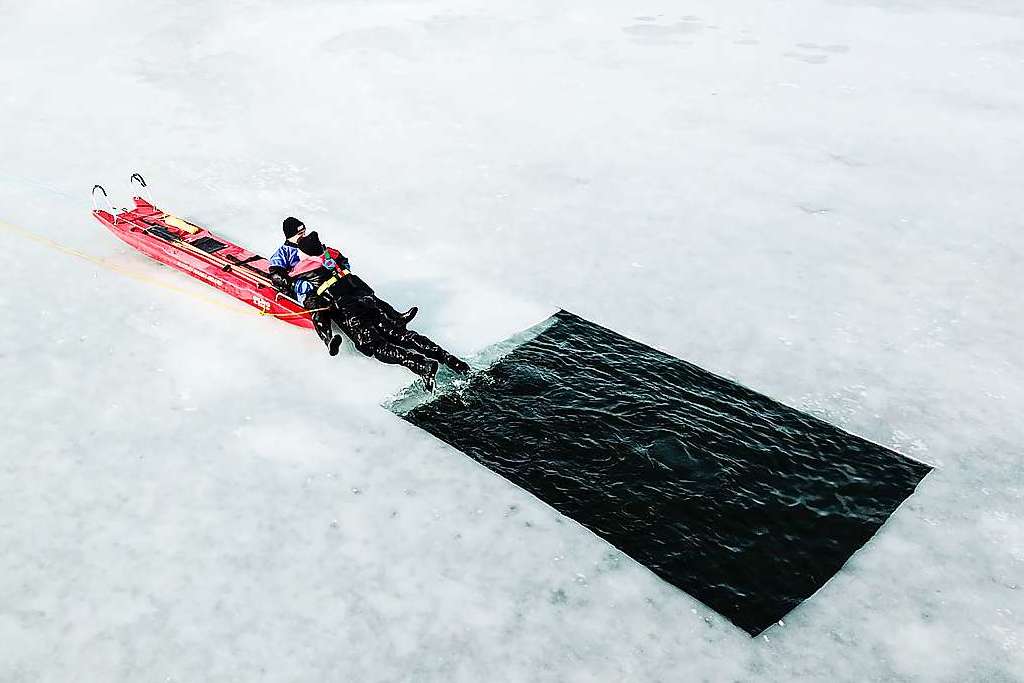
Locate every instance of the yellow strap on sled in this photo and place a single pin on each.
(181, 224)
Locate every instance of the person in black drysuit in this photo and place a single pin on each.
(334, 295)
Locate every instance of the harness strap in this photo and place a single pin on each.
(326, 285)
(330, 281)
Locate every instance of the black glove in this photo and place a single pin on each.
(279, 277)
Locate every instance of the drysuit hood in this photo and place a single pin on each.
(310, 244)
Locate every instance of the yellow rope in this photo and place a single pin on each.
(28, 234)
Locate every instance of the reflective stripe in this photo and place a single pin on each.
(326, 285)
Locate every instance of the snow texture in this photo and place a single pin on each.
(818, 199)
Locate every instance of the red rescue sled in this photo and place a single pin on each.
(196, 251)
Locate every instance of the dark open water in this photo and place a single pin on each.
(746, 504)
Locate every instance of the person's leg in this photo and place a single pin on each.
(425, 346)
(374, 314)
(394, 316)
(431, 349)
(353, 320)
(360, 288)
(367, 328)
(320, 313)
(426, 368)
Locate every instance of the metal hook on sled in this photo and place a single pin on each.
(95, 207)
(137, 177)
(100, 188)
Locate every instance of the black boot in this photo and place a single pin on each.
(334, 344)
(322, 325)
(405, 318)
(322, 322)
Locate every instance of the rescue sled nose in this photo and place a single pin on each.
(197, 252)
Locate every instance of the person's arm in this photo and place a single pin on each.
(280, 263)
(302, 290)
(338, 258)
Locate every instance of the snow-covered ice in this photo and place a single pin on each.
(820, 200)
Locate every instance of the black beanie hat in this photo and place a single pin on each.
(291, 227)
(310, 244)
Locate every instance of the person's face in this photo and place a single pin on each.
(294, 239)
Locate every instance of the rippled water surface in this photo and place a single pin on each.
(742, 502)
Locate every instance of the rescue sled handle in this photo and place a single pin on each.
(137, 177)
(106, 197)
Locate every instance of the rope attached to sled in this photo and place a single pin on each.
(102, 263)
